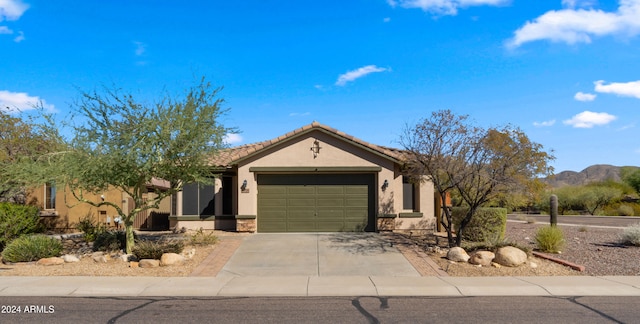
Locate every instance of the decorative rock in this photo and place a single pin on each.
(50, 261)
(149, 263)
(189, 254)
(134, 264)
(68, 258)
(510, 256)
(100, 257)
(533, 265)
(128, 257)
(496, 265)
(457, 254)
(482, 258)
(168, 259)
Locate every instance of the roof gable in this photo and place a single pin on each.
(234, 155)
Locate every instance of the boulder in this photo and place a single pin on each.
(134, 264)
(149, 263)
(188, 254)
(510, 256)
(50, 261)
(168, 259)
(128, 257)
(100, 257)
(482, 258)
(457, 254)
(69, 258)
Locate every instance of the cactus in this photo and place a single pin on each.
(553, 202)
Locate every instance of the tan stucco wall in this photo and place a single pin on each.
(68, 211)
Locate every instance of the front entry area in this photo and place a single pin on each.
(316, 203)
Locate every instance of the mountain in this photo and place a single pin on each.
(594, 173)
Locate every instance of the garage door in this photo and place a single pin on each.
(315, 203)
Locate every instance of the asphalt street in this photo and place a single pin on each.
(322, 310)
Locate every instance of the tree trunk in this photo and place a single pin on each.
(128, 227)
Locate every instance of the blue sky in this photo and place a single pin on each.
(567, 72)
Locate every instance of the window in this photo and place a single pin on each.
(50, 196)
(198, 199)
(408, 194)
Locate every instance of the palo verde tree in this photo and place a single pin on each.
(120, 142)
(19, 137)
(477, 163)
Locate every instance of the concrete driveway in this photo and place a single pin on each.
(312, 254)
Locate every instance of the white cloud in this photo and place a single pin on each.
(21, 101)
(547, 123)
(444, 7)
(386, 19)
(232, 138)
(12, 9)
(578, 3)
(141, 48)
(19, 38)
(5, 30)
(628, 89)
(358, 73)
(588, 119)
(579, 25)
(296, 114)
(581, 96)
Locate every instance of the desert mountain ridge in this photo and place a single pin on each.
(594, 173)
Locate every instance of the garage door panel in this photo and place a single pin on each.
(331, 190)
(330, 202)
(301, 190)
(273, 202)
(301, 202)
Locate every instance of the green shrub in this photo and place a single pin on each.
(487, 224)
(110, 241)
(155, 249)
(17, 220)
(625, 210)
(631, 235)
(31, 248)
(202, 238)
(550, 239)
(90, 228)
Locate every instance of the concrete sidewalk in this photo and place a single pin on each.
(320, 286)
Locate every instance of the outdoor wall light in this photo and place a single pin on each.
(244, 184)
(385, 185)
(315, 148)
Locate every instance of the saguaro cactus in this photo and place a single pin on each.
(553, 202)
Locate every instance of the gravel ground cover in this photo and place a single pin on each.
(598, 249)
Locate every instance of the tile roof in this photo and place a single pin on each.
(230, 156)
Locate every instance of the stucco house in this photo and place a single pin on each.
(60, 211)
(313, 179)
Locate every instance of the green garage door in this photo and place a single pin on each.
(315, 203)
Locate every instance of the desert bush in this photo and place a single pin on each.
(631, 235)
(550, 239)
(31, 248)
(625, 210)
(90, 227)
(109, 241)
(487, 224)
(17, 220)
(202, 238)
(155, 249)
